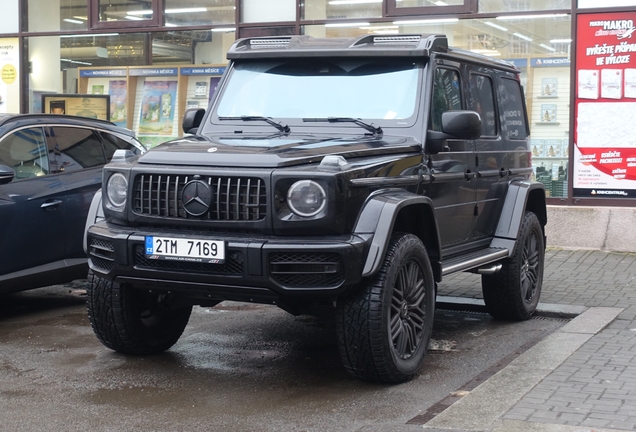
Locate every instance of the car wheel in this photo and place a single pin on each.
(132, 321)
(384, 328)
(513, 292)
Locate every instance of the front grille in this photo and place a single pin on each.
(101, 253)
(233, 264)
(234, 198)
(307, 269)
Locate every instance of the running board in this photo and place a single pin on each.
(473, 260)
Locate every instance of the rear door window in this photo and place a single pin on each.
(76, 148)
(513, 113)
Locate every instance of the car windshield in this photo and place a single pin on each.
(295, 89)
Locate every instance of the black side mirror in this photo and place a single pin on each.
(463, 125)
(192, 120)
(6, 174)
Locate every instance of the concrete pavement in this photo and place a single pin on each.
(580, 378)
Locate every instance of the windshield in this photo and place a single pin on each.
(372, 89)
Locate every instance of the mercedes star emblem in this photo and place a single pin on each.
(196, 197)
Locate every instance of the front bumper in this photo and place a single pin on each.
(257, 268)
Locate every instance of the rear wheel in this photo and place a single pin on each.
(513, 292)
(132, 321)
(384, 329)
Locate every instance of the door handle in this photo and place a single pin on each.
(51, 205)
(469, 175)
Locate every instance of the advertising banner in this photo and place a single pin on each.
(10, 75)
(605, 106)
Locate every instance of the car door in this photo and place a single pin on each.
(32, 214)
(79, 161)
(491, 181)
(452, 186)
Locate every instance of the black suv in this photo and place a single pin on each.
(342, 176)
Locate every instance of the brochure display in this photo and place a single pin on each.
(152, 100)
(604, 163)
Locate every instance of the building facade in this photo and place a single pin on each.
(156, 58)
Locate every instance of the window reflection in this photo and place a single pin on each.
(199, 12)
(340, 9)
(45, 15)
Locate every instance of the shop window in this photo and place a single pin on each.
(446, 95)
(199, 12)
(9, 18)
(64, 15)
(107, 14)
(340, 9)
(481, 99)
(426, 7)
(489, 6)
(76, 148)
(253, 11)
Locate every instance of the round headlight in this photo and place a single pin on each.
(116, 189)
(306, 198)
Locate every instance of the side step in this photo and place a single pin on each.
(473, 259)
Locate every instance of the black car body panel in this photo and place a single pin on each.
(57, 163)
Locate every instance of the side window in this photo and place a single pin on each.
(513, 112)
(76, 148)
(25, 151)
(446, 95)
(482, 100)
(112, 143)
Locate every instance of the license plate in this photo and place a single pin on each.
(180, 249)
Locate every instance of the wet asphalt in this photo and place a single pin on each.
(237, 367)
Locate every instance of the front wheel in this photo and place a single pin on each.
(384, 329)
(513, 292)
(131, 321)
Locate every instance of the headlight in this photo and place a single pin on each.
(116, 190)
(306, 198)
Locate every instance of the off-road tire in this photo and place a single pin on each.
(513, 292)
(401, 293)
(133, 322)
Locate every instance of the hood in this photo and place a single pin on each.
(272, 152)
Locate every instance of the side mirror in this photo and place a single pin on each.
(6, 174)
(192, 120)
(463, 125)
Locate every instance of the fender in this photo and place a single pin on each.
(521, 196)
(378, 217)
(95, 214)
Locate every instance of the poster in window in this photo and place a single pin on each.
(588, 84)
(157, 108)
(549, 87)
(200, 89)
(611, 83)
(630, 83)
(118, 102)
(548, 113)
(553, 147)
(82, 105)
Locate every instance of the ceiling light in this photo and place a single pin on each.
(497, 26)
(512, 17)
(379, 27)
(83, 18)
(76, 62)
(74, 21)
(186, 10)
(358, 24)
(440, 3)
(140, 12)
(223, 29)
(430, 21)
(549, 48)
(171, 25)
(555, 41)
(350, 2)
(524, 37)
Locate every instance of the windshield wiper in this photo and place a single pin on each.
(279, 126)
(368, 126)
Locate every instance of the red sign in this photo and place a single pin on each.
(605, 109)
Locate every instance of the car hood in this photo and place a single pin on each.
(272, 152)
